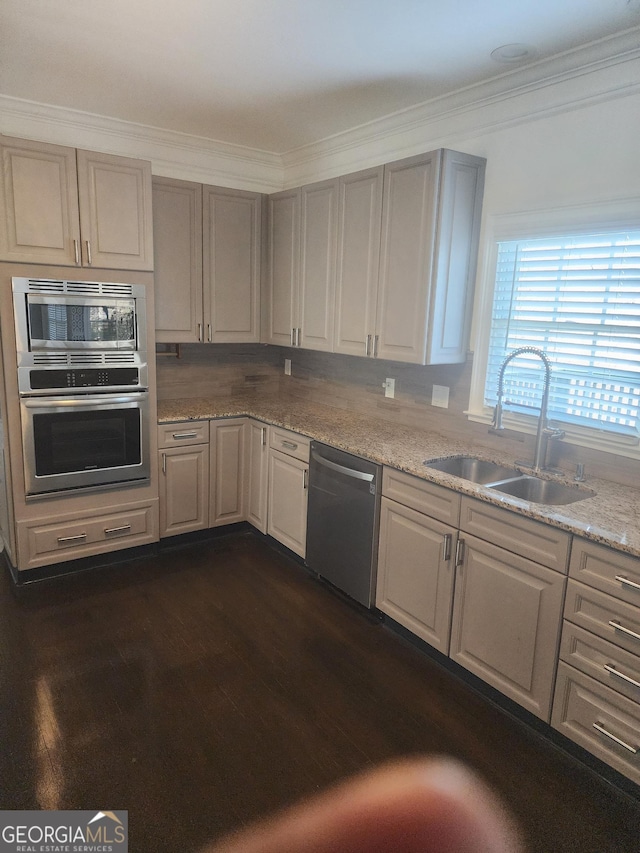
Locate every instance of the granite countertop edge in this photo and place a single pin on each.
(610, 518)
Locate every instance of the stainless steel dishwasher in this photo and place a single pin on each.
(343, 518)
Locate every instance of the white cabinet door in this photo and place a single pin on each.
(177, 227)
(358, 254)
(507, 615)
(316, 300)
(231, 264)
(416, 572)
(288, 496)
(257, 474)
(184, 489)
(281, 309)
(116, 220)
(227, 476)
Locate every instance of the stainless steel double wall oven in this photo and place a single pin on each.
(82, 379)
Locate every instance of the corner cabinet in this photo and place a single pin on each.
(74, 208)
(288, 489)
(207, 263)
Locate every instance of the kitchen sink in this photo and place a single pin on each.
(476, 470)
(539, 491)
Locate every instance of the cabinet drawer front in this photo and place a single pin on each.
(70, 539)
(606, 616)
(606, 569)
(602, 660)
(290, 443)
(531, 539)
(436, 501)
(581, 704)
(183, 434)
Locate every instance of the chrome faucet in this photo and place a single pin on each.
(544, 431)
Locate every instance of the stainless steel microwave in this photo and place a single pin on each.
(61, 316)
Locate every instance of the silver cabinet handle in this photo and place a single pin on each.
(375, 345)
(293, 337)
(263, 430)
(200, 332)
(164, 463)
(627, 582)
(459, 553)
(208, 332)
(89, 261)
(76, 252)
(618, 627)
(446, 547)
(117, 531)
(290, 444)
(367, 346)
(68, 540)
(611, 668)
(600, 728)
(179, 436)
(305, 479)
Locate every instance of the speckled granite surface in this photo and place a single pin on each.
(612, 517)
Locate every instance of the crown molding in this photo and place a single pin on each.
(172, 154)
(600, 71)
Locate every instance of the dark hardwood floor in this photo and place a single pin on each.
(208, 685)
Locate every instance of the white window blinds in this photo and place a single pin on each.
(577, 298)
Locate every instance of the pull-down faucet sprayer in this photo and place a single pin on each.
(544, 432)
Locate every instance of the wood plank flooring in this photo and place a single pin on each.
(208, 685)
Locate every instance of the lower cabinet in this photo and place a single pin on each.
(257, 473)
(288, 489)
(227, 473)
(416, 556)
(184, 477)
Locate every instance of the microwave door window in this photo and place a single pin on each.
(68, 324)
(72, 442)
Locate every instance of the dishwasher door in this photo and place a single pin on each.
(343, 518)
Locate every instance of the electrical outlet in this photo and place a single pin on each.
(287, 367)
(440, 396)
(389, 386)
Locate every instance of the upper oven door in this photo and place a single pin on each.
(75, 443)
(76, 322)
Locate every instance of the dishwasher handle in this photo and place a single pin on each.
(341, 469)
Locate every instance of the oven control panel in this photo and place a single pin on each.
(71, 378)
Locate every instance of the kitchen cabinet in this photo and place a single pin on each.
(416, 556)
(429, 242)
(184, 477)
(508, 602)
(302, 263)
(257, 459)
(597, 698)
(227, 471)
(288, 489)
(207, 275)
(72, 208)
(358, 255)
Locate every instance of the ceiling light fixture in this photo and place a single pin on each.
(511, 53)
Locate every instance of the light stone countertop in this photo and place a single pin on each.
(612, 517)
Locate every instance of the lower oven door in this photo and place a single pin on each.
(84, 442)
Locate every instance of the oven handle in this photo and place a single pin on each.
(83, 401)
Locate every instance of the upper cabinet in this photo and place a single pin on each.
(380, 263)
(302, 262)
(74, 208)
(207, 263)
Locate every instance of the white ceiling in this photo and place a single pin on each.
(276, 74)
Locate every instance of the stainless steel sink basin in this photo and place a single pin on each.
(539, 491)
(476, 470)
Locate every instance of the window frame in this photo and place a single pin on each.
(613, 216)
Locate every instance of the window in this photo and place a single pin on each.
(577, 298)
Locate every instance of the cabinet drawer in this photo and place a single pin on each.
(54, 542)
(604, 615)
(581, 704)
(531, 539)
(606, 569)
(438, 502)
(602, 660)
(290, 443)
(183, 434)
